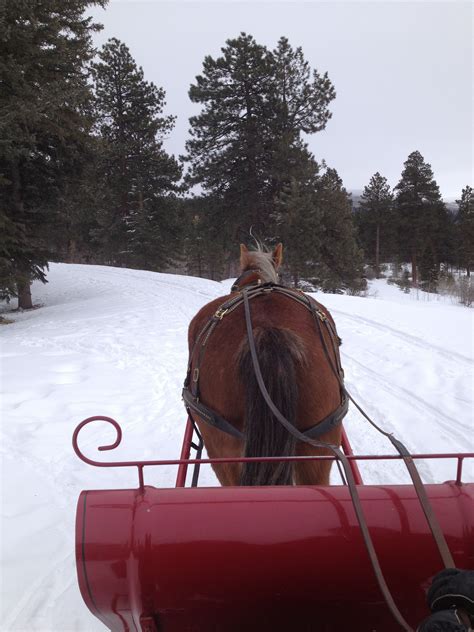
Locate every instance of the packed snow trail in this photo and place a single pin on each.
(114, 342)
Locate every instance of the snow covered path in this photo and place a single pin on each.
(114, 342)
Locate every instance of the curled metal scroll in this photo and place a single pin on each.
(113, 445)
(138, 464)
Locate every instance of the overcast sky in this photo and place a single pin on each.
(402, 73)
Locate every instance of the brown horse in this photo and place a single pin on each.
(221, 389)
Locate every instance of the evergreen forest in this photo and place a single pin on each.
(85, 177)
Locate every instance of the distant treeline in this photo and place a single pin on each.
(84, 176)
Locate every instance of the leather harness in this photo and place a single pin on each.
(191, 393)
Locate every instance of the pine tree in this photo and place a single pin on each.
(11, 240)
(44, 50)
(204, 247)
(246, 143)
(297, 103)
(341, 262)
(465, 229)
(297, 220)
(134, 172)
(227, 146)
(78, 217)
(422, 219)
(314, 219)
(375, 217)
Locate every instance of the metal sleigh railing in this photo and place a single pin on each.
(185, 461)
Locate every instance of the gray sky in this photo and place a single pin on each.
(402, 73)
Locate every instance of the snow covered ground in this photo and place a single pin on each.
(114, 342)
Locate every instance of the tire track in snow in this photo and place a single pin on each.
(138, 275)
(33, 599)
(412, 339)
(450, 424)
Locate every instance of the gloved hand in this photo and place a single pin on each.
(452, 588)
(443, 621)
(451, 599)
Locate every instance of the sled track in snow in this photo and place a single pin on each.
(414, 340)
(446, 422)
(139, 276)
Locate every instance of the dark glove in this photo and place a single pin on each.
(444, 621)
(452, 588)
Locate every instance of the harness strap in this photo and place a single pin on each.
(247, 277)
(208, 415)
(430, 516)
(329, 422)
(190, 393)
(345, 464)
(217, 421)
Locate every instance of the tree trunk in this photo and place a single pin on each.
(377, 252)
(72, 248)
(23, 283)
(295, 278)
(24, 295)
(414, 272)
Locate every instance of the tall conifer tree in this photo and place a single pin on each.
(314, 219)
(44, 50)
(246, 143)
(298, 103)
(375, 218)
(341, 264)
(298, 222)
(422, 218)
(465, 229)
(134, 171)
(228, 138)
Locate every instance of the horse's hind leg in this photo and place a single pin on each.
(316, 472)
(311, 472)
(228, 474)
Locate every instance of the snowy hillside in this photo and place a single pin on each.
(114, 342)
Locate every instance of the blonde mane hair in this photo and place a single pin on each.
(263, 260)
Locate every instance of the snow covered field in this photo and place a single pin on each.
(114, 342)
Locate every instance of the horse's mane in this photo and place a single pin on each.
(262, 260)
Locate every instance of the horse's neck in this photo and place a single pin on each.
(249, 276)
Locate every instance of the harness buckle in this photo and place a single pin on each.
(195, 375)
(221, 312)
(321, 315)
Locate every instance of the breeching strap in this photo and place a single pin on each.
(434, 526)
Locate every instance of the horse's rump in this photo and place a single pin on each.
(296, 372)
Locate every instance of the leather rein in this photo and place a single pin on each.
(191, 399)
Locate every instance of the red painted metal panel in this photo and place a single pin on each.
(262, 558)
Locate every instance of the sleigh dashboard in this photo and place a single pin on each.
(261, 558)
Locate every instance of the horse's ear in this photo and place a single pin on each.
(243, 255)
(277, 255)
